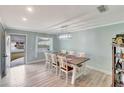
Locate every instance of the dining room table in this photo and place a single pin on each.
(78, 64)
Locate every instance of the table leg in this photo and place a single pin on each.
(73, 75)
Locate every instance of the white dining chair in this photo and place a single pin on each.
(63, 51)
(71, 53)
(64, 67)
(82, 54)
(55, 64)
(47, 60)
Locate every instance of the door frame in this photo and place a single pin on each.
(25, 58)
(2, 51)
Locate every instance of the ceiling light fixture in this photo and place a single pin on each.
(24, 18)
(102, 8)
(29, 9)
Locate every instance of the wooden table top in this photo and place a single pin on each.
(72, 59)
(78, 61)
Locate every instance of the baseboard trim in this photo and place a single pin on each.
(101, 70)
(36, 61)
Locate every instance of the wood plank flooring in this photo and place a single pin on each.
(36, 75)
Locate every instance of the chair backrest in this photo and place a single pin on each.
(62, 62)
(81, 54)
(53, 58)
(71, 52)
(46, 56)
(63, 51)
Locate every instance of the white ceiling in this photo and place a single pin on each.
(50, 19)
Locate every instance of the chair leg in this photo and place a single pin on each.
(85, 69)
(46, 65)
(56, 70)
(59, 73)
(50, 65)
(66, 77)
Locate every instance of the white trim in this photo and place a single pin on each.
(51, 44)
(97, 26)
(36, 61)
(6, 35)
(101, 70)
(25, 43)
(36, 47)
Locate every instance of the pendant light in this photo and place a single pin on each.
(64, 33)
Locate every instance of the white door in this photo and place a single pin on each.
(7, 51)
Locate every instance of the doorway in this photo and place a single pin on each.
(17, 50)
(43, 44)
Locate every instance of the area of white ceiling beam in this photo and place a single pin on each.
(91, 18)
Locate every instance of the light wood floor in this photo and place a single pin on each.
(36, 75)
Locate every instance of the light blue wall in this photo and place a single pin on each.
(96, 43)
(31, 42)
